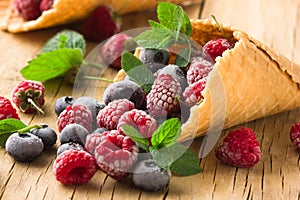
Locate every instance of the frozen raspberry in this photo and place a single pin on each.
(193, 93)
(116, 154)
(92, 141)
(46, 5)
(101, 24)
(29, 96)
(76, 114)
(7, 110)
(109, 116)
(164, 96)
(239, 148)
(28, 9)
(216, 47)
(295, 135)
(112, 50)
(74, 167)
(198, 69)
(140, 120)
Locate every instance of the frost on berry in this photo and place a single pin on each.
(109, 116)
(92, 141)
(116, 154)
(198, 69)
(193, 93)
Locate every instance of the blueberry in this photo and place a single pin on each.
(147, 175)
(177, 73)
(99, 130)
(24, 147)
(148, 56)
(125, 89)
(68, 146)
(47, 134)
(73, 133)
(61, 103)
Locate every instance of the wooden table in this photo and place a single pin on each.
(276, 176)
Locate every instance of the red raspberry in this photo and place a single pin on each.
(113, 48)
(46, 5)
(29, 96)
(74, 167)
(116, 154)
(75, 114)
(295, 135)
(164, 96)
(92, 141)
(216, 47)
(28, 9)
(193, 93)
(109, 116)
(101, 24)
(198, 69)
(239, 148)
(140, 120)
(7, 110)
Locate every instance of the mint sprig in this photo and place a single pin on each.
(167, 153)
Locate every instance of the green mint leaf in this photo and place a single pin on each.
(8, 127)
(157, 38)
(52, 64)
(187, 164)
(137, 71)
(166, 134)
(65, 39)
(174, 18)
(155, 24)
(141, 141)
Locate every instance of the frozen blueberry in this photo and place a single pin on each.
(73, 133)
(125, 89)
(177, 73)
(24, 147)
(147, 175)
(61, 103)
(154, 56)
(47, 134)
(99, 130)
(68, 146)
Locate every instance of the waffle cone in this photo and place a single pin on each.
(67, 11)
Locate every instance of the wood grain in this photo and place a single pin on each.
(276, 176)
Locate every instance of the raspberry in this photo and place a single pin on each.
(29, 96)
(78, 114)
(112, 50)
(116, 154)
(28, 9)
(295, 135)
(92, 141)
(74, 167)
(101, 24)
(46, 5)
(163, 97)
(140, 120)
(193, 93)
(239, 148)
(198, 69)
(7, 110)
(109, 116)
(216, 47)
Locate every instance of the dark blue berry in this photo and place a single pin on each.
(73, 133)
(161, 56)
(61, 104)
(47, 134)
(24, 147)
(147, 175)
(125, 89)
(99, 130)
(68, 146)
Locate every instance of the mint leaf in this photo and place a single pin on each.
(65, 39)
(137, 71)
(187, 164)
(52, 64)
(166, 134)
(136, 137)
(174, 18)
(8, 127)
(182, 59)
